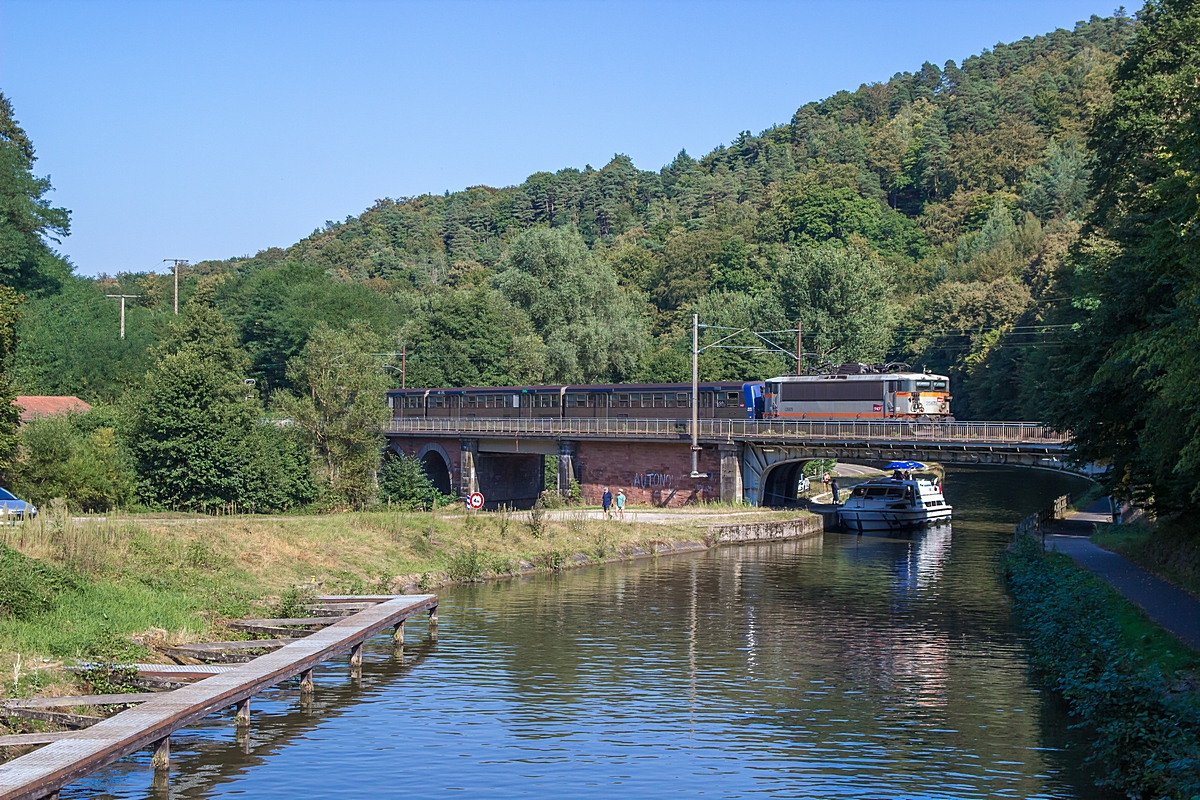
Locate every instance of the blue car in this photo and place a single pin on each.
(11, 506)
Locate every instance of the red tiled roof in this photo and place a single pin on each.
(44, 406)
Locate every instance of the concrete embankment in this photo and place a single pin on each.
(799, 528)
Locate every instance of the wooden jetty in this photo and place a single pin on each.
(70, 755)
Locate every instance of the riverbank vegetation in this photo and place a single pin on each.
(112, 588)
(1128, 682)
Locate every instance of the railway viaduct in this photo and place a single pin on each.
(758, 462)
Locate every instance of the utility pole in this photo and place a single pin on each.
(403, 363)
(799, 347)
(123, 297)
(177, 262)
(696, 395)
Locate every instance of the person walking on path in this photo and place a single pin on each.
(621, 504)
(606, 501)
(834, 486)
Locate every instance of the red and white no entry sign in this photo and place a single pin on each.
(475, 500)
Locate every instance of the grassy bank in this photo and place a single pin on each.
(1168, 547)
(1130, 683)
(114, 588)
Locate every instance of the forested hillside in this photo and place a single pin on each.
(921, 219)
(948, 218)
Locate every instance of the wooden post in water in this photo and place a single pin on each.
(162, 754)
(433, 623)
(356, 656)
(243, 713)
(398, 634)
(306, 682)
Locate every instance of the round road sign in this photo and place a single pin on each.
(475, 500)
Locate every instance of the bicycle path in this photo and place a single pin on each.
(1168, 605)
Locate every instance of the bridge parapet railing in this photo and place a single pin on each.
(740, 430)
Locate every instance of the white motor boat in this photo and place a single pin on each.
(885, 504)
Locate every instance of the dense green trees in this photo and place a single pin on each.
(338, 409)
(1024, 221)
(196, 432)
(1131, 374)
(76, 457)
(26, 216)
(9, 414)
(588, 323)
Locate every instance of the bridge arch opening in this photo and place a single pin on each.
(437, 468)
(781, 484)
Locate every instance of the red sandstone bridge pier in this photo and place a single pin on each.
(748, 461)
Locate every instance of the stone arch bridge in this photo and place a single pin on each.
(751, 461)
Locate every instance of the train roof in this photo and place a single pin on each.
(597, 388)
(866, 376)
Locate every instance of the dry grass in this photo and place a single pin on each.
(152, 580)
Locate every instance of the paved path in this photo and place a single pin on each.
(1168, 605)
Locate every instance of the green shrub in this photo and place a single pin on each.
(74, 456)
(403, 483)
(466, 565)
(1146, 740)
(28, 586)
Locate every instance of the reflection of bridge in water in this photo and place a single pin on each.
(741, 460)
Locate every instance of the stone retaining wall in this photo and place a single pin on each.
(799, 528)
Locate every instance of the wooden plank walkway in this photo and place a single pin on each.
(78, 753)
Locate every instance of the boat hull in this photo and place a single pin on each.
(871, 519)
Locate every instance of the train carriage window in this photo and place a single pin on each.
(437, 401)
(720, 399)
(594, 400)
(684, 400)
(469, 401)
(891, 387)
(660, 401)
(622, 401)
(734, 399)
(706, 399)
(670, 400)
(635, 400)
(489, 400)
(554, 401)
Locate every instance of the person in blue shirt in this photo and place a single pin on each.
(606, 500)
(621, 504)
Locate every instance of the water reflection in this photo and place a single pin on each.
(843, 666)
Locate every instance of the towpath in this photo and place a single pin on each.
(1168, 605)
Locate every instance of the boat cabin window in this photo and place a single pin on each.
(884, 491)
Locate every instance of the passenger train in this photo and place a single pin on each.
(854, 391)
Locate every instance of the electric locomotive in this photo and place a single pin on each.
(858, 391)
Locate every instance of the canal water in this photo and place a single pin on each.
(850, 666)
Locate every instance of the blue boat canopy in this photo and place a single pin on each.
(909, 465)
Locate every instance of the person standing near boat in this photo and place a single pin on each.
(833, 485)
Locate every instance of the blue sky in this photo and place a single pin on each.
(210, 130)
